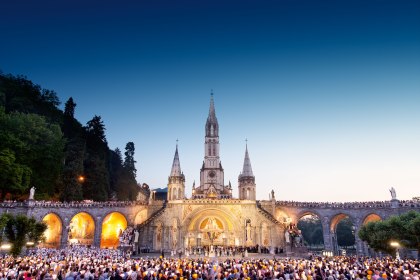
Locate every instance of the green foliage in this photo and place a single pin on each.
(21, 229)
(404, 229)
(42, 146)
(129, 162)
(18, 94)
(13, 176)
(30, 146)
(73, 173)
(345, 233)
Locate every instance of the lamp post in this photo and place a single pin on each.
(397, 246)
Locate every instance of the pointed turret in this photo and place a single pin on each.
(247, 169)
(176, 180)
(176, 166)
(246, 180)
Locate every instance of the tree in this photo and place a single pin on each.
(96, 129)
(32, 150)
(69, 108)
(345, 233)
(311, 228)
(96, 185)
(404, 228)
(13, 176)
(20, 229)
(73, 173)
(129, 162)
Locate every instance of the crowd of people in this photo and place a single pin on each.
(71, 204)
(126, 237)
(79, 263)
(350, 205)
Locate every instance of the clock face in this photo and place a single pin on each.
(212, 174)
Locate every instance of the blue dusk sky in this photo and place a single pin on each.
(327, 92)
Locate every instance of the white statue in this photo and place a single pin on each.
(248, 232)
(32, 193)
(393, 193)
(287, 236)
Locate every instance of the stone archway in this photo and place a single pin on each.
(81, 229)
(310, 226)
(213, 226)
(53, 232)
(346, 226)
(113, 226)
(371, 218)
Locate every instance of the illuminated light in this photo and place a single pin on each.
(82, 229)
(113, 226)
(6, 246)
(53, 232)
(81, 178)
(394, 244)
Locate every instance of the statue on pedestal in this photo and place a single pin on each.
(393, 193)
(32, 193)
(287, 236)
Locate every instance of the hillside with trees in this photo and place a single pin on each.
(45, 147)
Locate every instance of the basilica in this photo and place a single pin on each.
(212, 217)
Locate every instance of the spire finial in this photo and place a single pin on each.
(177, 142)
(211, 92)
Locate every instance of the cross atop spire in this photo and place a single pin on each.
(247, 169)
(212, 111)
(176, 166)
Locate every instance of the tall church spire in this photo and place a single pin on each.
(176, 180)
(247, 169)
(176, 166)
(246, 180)
(212, 126)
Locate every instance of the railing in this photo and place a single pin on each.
(154, 216)
(266, 213)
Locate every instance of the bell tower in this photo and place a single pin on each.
(176, 180)
(212, 173)
(246, 180)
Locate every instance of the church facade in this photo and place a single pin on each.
(212, 217)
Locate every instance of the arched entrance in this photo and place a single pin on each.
(363, 247)
(113, 226)
(210, 226)
(81, 229)
(343, 233)
(310, 227)
(53, 232)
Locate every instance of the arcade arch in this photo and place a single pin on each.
(81, 229)
(53, 232)
(113, 226)
(371, 218)
(343, 229)
(310, 227)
